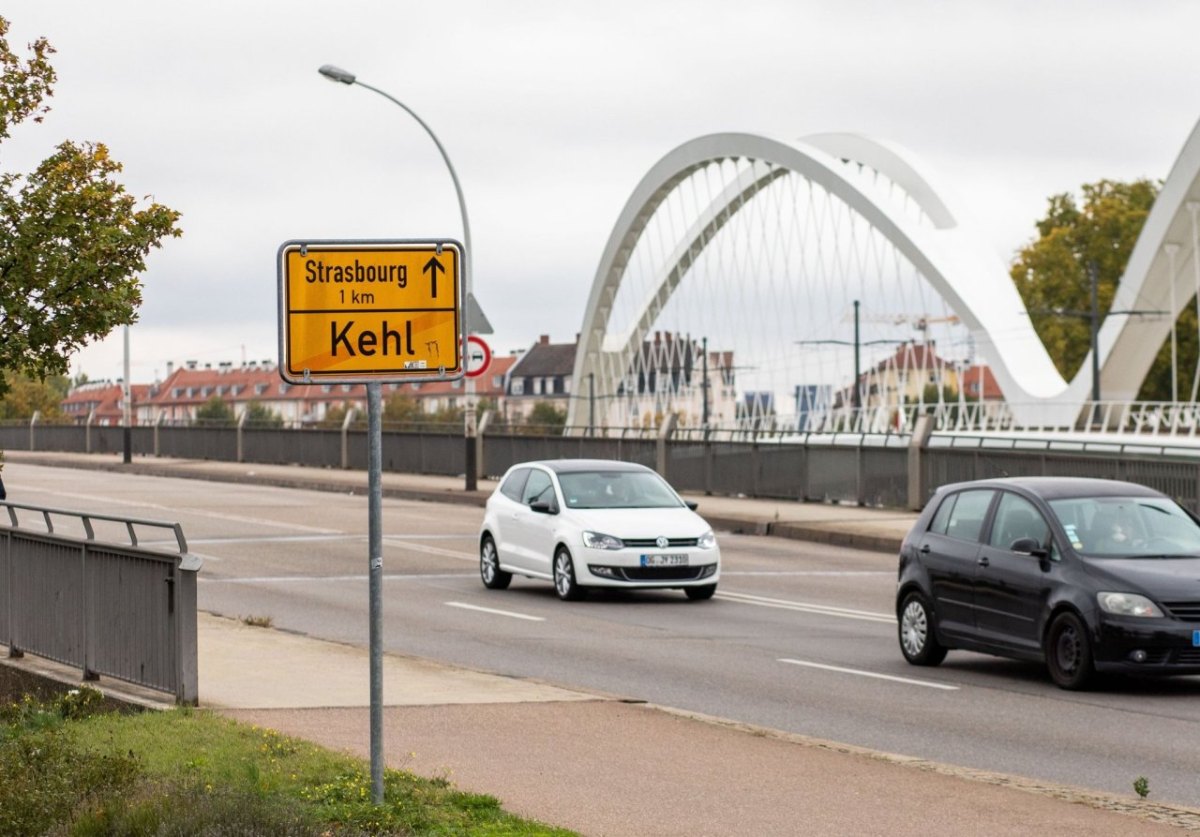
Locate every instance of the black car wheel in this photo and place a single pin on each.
(1069, 652)
(493, 577)
(564, 577)
(918, 642)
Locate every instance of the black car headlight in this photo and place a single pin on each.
(1127, 604)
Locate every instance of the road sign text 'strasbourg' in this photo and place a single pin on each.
(370, 310)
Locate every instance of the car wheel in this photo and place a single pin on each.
(493, 577)
(697, 594)
(918, 641)
(1069, 652)
(564, 577)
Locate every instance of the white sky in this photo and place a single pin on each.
(552, 112)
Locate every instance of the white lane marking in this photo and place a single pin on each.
(807, 607)
(257, 521)
(432, 550)
(809, 572)
(307, 579)
(496, 612)
(926, 683)
(324, 538)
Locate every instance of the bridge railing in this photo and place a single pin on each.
(85, 590)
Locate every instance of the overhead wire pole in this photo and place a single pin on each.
(345, 77)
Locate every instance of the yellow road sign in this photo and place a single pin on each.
(356, 311)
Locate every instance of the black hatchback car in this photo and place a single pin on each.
(1086, 575)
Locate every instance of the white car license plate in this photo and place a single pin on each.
(664, 560)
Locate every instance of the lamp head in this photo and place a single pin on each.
(336, 74)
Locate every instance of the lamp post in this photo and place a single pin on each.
(375, 456)
(345, 77)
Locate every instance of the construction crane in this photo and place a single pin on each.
(920, 322)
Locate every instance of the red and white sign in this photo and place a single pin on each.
(478, 357)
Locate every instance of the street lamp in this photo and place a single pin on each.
(346, 77)
(375, 457)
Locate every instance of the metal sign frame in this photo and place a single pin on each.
(390, 372)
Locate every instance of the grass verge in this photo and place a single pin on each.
(68, 768)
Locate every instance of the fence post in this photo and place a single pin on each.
(665, 432)
(484, 421)
(922, 430)
(187, 681)
(87, 432)
(350, 414)
(241, 424)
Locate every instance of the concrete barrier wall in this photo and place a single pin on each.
(882, 470)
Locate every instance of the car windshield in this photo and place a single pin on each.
(617, 490)
(1129, 527)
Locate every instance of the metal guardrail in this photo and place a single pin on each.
(121, 610)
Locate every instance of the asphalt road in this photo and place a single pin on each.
(799, 638)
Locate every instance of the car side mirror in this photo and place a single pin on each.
(1029, 546)
(691, 505)
(542, 507)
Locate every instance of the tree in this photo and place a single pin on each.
(259, 416)
(72, 241)
(403, 409)
(215, 413)
(25, 396)
(546, 415)
(1051, 272)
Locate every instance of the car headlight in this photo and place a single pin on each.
(707, 541)
(1127, 604)
(597, 540)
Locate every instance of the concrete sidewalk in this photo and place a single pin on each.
(596, 763)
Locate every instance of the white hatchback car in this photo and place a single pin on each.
(584, 523)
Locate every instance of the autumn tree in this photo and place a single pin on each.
(26, 396)
(72, 241)
(1051, 274)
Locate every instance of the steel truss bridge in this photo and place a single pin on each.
(749, 282)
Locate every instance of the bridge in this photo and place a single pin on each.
(831, 283)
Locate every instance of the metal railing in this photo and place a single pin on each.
(71, 592)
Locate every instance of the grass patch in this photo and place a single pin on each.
(66, 770)
(258, 621)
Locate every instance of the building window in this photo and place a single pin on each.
(518, 386)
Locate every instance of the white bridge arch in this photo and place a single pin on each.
(915, 219)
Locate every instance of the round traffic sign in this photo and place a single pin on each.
(478, 357)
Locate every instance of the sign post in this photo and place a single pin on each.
(371, 312)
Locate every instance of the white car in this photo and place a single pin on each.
(584, 523)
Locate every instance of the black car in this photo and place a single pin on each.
(1086, 575)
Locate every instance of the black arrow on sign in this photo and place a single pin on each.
(432, 267)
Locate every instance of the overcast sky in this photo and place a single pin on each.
(552, 112)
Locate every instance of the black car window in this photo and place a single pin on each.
(966, 518)
(538, 488)
(514, 484)
(1017, 518)
(941, 520)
